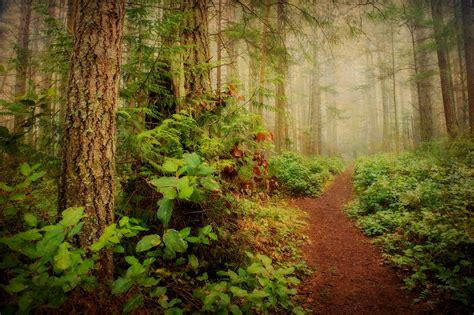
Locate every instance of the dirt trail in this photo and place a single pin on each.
(350, 276)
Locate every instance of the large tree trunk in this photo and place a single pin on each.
(447, 90)
(281, 103)
(468, 28)
(88, 144)
(22, 55)
(197, 73)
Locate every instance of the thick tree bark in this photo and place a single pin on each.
(196, 60)
(88, 144)
(468, 30)
(447, 90)
(22, 55)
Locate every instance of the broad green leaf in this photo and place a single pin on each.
(30, 235)
(132, 260)
(5, 187)
(53, 237)
(123, 221)
(267, 262)
(255, 268)
(171, 165)
(185, 190)
(193, 261)
(133, 303)
(210, 184)
(35, 176)
(238, 292)
(192, 160)
(205, 170)
(147, 242)
(158, 291)
(121, 285)
(168, 192)
(164, 182)
(185, 232)
(165, 211)
(76, 229)
(16, 285)
(257, 295)
(148, 282)
(174, 241)
(71, 216)
(30, 219)
(25, 169)
(62, 260)
(18, 196)
(235, 309)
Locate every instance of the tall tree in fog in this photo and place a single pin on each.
(88, 144)
(447, 90)
(22, 55)
(416, 22)
(281, 103)
(468, 31)
(197, 73)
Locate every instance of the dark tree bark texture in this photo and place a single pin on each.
(88, 166)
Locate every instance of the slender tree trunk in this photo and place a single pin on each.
(373, 127)
(394, 91)
(444, 70)
(460, 83)
(219, 46)
(197, 73)
(263, 57)
(315, 107)
(22, 55)
(281, 103)
(423, 82)
(88, 144)
(468, 30)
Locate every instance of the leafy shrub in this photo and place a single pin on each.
(419, 205)
(257, 288)
(42, 263)
(301, 176)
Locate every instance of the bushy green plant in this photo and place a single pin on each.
(419, 205)
(302, 176)
(43, 264)
(257, 288)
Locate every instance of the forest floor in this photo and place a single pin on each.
(350, 276)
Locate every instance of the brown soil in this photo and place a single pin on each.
(350, 276)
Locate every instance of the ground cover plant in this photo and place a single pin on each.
(304, 176)
(418, 206)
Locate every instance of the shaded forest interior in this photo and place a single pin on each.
(149, 148)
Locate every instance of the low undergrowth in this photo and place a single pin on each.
(419, 207)
(304, 176)
(197, 227)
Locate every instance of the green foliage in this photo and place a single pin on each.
(42, 263)
(419, 205)
(25, 195)
(302, 176)
(257, 288)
